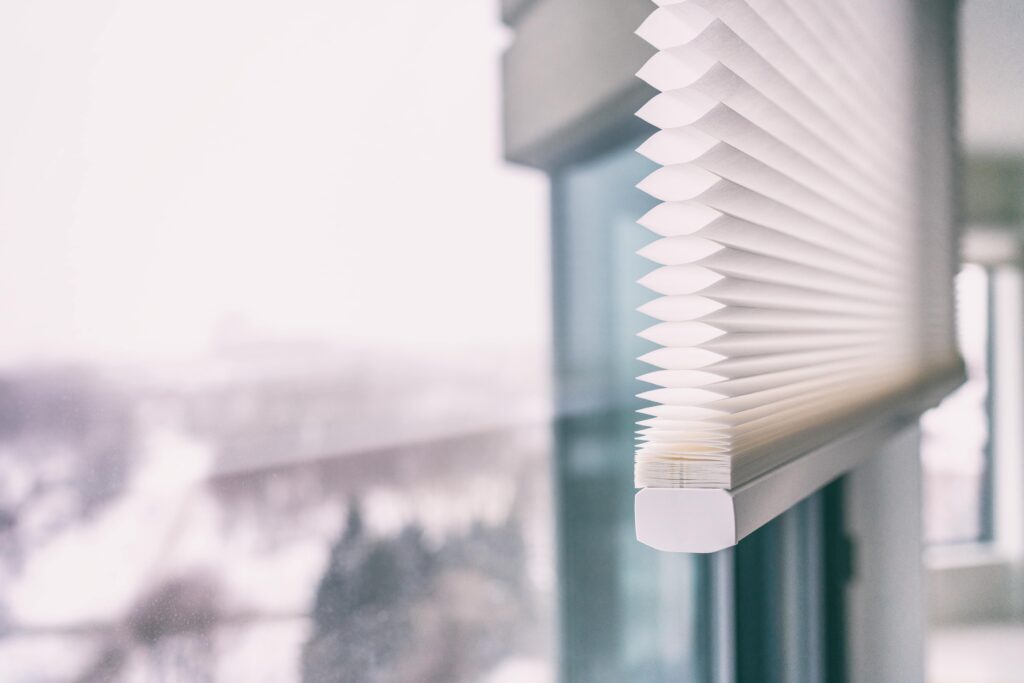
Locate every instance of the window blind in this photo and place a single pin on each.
(798, 280)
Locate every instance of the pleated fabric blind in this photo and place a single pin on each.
(796, 281)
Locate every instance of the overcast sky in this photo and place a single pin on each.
(309, 168)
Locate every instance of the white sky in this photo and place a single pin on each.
(307, 168)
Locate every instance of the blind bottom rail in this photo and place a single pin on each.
(696, 520)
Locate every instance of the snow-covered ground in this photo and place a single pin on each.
(133, 549)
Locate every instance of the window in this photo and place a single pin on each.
(651, 621)
(265, 413)
(956, 445)
(292, 387)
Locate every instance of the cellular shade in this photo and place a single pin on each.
(798, 280)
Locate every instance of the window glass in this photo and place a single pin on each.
(955, 441)
(274, 362)
(628, 612)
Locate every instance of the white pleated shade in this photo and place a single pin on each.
(793, 289)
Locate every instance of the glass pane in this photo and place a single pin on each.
(274, 364)
(629, 613)
(955, 448)
(789, 595)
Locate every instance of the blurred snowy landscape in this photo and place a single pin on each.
(275, 513)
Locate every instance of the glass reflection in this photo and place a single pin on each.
(627, 612)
